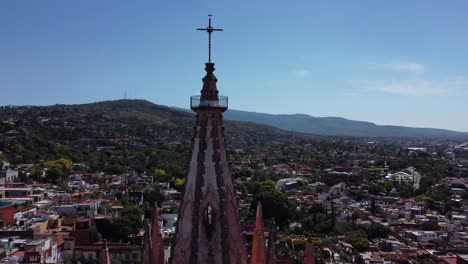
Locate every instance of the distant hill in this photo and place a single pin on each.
(137, 108)
(327, 126)
(177, 117)
(121, 132)
(301, 123)
(336, 126)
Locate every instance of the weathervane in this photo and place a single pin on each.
(210, 30)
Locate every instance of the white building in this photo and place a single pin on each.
(422, 236)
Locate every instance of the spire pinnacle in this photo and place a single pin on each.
(258, 246)
(309, 257)
(210, 30)
(104, 255)
(271, 254)
(153, 248)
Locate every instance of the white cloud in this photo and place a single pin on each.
(414, 81)
(351, 94)
(411, 87)
(408, 67)
(414, 68)
(301, 73)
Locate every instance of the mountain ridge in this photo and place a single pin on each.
(302, 123)
(338, 126)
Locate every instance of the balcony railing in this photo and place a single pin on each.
(196, 102)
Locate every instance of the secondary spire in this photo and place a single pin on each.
(210, 30)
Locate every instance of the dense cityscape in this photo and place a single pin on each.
(133, 181)
(74, 176)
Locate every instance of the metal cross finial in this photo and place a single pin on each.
(210, 30)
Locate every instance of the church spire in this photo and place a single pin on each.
(258, 246)
(157, 251)
(271, 254)
(104, 257)
(147, 245)
(208, 228)
(153, 248)
(209, 92)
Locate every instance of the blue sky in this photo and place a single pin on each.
(389, 62)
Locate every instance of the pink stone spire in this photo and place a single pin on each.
(258, 247)
(153, 247)
(271, 255)
(309, 257)
(208, 228)
(147, 245)
(209, 91)
(104, 257)
(158, 246)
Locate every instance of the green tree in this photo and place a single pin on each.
(376, 188)
(405, 190)
(275, 204)
(343, 228)
(318, 223)
(359, 260)
(162, 176)
(58, 169)
(269, 184)
(325, 254)
(150, 199)
(121, 227)
(115, 168)
(377, 230)
(61, 164)
(360, 244)
(374, 209)
(385, 246)
(179, 183)
(388, 186)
